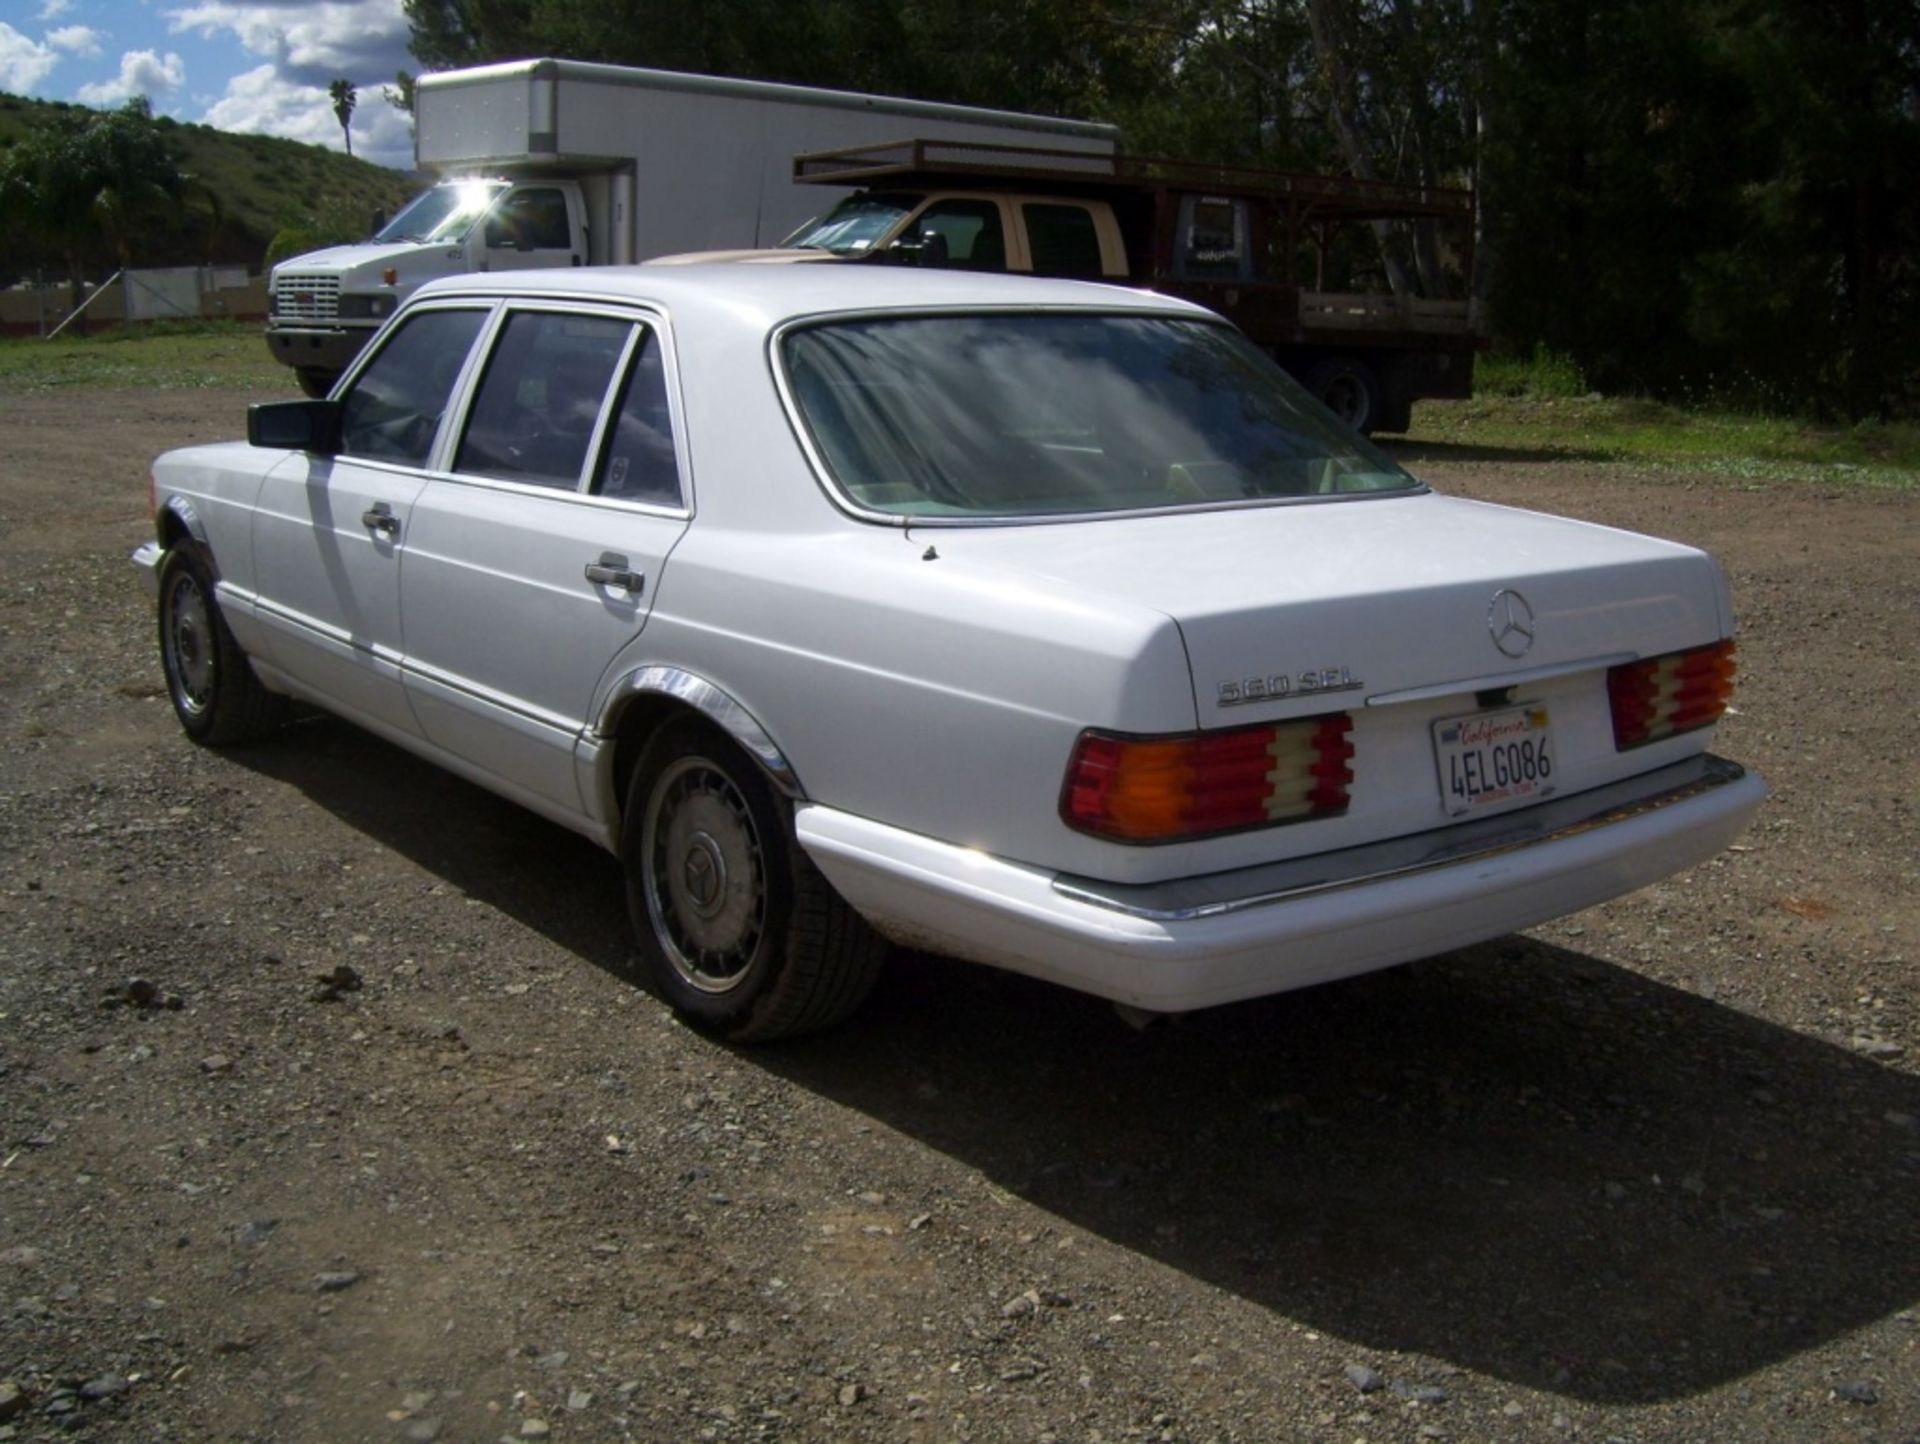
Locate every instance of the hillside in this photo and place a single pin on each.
(263, 183)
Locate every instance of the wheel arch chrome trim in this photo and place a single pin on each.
(712, 702)
(181, 510)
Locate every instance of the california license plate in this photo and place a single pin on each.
(1489, 758)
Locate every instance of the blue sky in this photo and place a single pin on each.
(260, 67)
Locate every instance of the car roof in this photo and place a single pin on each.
(768, 296)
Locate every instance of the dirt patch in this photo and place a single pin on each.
(1647, 1173)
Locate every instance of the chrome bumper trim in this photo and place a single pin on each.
(1229, 892)
(147, 557)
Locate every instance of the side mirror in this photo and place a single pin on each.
(311, 426)
(929, 248)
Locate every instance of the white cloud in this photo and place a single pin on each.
(310, 42)
(50, 8)
(24, 63)
(264, 102)
(75, 39)
(306, 44)
(142, 72)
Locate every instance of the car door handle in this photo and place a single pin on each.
(379, 517)
(602, 575)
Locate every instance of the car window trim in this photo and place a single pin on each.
(644, 320)
(457, 390)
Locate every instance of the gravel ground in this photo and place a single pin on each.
(328, 1110)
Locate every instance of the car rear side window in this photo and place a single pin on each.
(393, 409)
(541, 398)
(637, 462)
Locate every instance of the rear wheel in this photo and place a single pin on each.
(1350, 390)
(214, 692)
(737, 929)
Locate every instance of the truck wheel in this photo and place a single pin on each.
(1348, 389)
(315, 382)
(738, 931)
(215, 694)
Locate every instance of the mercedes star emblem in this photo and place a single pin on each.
(1510, 620)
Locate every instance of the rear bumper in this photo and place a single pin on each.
(1197, 942)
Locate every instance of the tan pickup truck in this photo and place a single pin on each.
(1288, 258)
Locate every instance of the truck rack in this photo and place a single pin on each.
(1307, 197)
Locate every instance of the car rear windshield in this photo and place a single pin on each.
(1021, 415)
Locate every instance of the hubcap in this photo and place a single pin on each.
(189, 645)
(703, 875)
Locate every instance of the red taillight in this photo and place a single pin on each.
(1163, 789)
(1662, 696)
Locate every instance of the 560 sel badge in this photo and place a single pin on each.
(1281, 684)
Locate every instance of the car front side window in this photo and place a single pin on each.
(393, 408)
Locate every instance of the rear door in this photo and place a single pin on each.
(329, 532)
(536, 556)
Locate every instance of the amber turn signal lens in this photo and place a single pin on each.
(1196, 784)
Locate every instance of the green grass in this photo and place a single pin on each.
(164, 355)
(1651, 436)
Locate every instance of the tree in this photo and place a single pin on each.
(400, 94)
(345, 97)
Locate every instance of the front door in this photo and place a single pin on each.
(329, 532)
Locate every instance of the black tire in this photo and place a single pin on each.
(214, 692)
(1350, 390)
(738, 931)
(315, 382)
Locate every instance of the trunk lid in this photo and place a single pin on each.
(1291, 610)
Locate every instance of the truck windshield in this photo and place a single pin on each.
(854, 226)
(445, 213)
(1022, 415)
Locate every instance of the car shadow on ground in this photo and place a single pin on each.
(1521, 1160)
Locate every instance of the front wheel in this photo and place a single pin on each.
(737, 929)
(214, 692)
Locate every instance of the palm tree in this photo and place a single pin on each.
(345, 97)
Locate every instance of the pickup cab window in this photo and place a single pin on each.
(393, 408)
(968, 230)
(1062, 239)
(541, 397)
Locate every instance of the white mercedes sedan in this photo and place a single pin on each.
(1042, 624)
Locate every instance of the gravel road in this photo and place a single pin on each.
(328, 1110)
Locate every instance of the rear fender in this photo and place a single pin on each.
(673, 685)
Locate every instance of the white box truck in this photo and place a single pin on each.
(566, 163)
